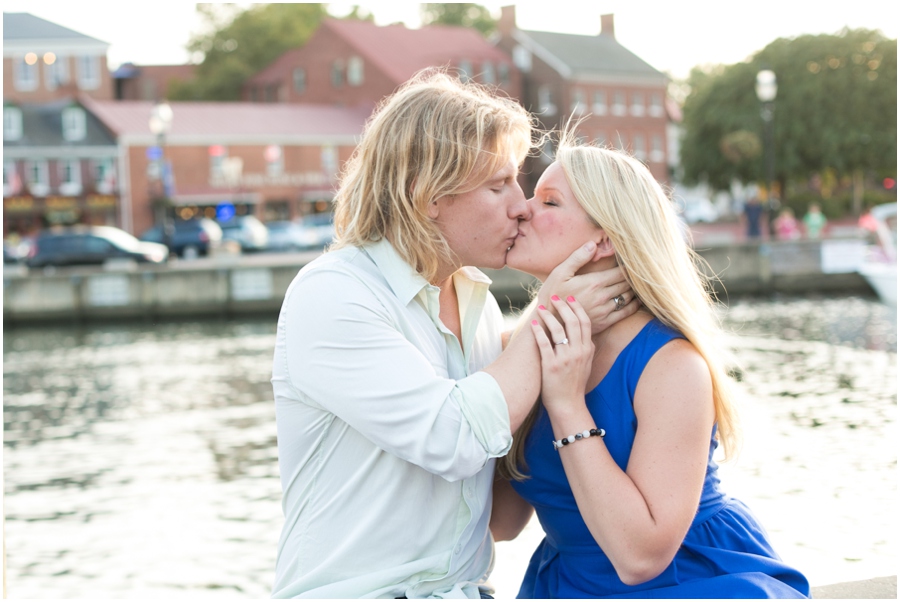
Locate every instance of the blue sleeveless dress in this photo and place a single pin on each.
(726, 553)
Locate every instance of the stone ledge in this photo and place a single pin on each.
(884, 588)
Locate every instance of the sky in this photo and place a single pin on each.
(672, 35)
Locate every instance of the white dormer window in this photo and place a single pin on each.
(488, 76)
(522, 58)
(656, 105)
(355, 71)
(578, 102)
(599, 103)
(465, 70)
(618, 107)
(545, 101)
(88, 72)
(74, 124)
(70, 177)
(12, 123)
(637, 104)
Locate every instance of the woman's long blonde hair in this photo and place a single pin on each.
(435, 136)
(621, 196)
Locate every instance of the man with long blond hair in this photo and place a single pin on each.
(392, 395)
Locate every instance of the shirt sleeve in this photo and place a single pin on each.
(349, 352)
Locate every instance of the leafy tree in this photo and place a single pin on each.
(464, 14)
(836, 110)
(237, 44)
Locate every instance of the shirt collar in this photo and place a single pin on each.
(403, 278)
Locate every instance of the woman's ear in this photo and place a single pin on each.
(432, 208)
(605, 247)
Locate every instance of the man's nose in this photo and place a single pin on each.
(521, 208)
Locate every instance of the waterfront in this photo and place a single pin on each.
(140, 460)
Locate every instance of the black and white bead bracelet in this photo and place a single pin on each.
(578, 436)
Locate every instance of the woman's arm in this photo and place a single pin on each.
(509, 513)
(639, 517)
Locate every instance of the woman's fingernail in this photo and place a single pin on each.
(542, 307)
(534, 322)
(570, 299)
(554, 298)
(589, 246)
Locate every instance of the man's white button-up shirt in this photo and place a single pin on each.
(386, 430)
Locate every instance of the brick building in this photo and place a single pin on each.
(348, 63)
(274, 162)
(620, 97)
(149, 82)
(43, 61)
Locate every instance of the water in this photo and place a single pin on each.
(140, 460)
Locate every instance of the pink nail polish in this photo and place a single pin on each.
(554, 298)
(534, 322)
(542, 307)
(570, 299)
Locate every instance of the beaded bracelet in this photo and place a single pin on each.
(578, 437)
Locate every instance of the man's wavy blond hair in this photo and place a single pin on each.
(621, 196)
(435, 136)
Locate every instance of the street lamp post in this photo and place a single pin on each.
(160, 124)
(766, 89)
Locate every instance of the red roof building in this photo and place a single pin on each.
(348, 62)
(274, 162)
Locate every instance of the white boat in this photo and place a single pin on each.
(880, 265)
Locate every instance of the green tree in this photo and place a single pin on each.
(464, 14)
(237, 44)
(836, 109)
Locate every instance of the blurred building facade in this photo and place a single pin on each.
(350, 63)
(619, 98)
(273, 162)
(148, 82)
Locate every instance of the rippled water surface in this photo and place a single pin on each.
(140, 460)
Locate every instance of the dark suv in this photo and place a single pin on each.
(87, 245)
(190, 238)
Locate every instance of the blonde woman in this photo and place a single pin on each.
(391, 397)
(617, 458)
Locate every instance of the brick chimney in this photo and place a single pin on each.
(607, 26)
(507, 22)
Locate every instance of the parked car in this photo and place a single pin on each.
(697, 209)
(290, 236)
(247, 231)
(319, 228)
(190, 238)
(86, 245)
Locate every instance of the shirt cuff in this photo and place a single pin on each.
(482, 404)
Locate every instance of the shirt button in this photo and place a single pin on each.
(457, 550)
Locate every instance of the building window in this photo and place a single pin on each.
(600, 138)
(104, 176)
(640, 148)
(74, 126)
(620, 142)
(547, 152)
(599, 103)
(37, 175)
(637, 104)
(56, 70)
(465, 70)
(299, 80)
(503, 74)
(545, 101)
(88, 72)
(488, 75)
(11, 181)
(656, 105)
(657, 155)
(274, 156)
(12, 123)
(69, 177)
(26, 72)
(618, 107)
(270, 93)
(337, 73)
(217, 156)
(522, 58)
(355, 71)
(329, 159)
(578, 103)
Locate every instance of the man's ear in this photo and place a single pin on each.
(605, 247)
